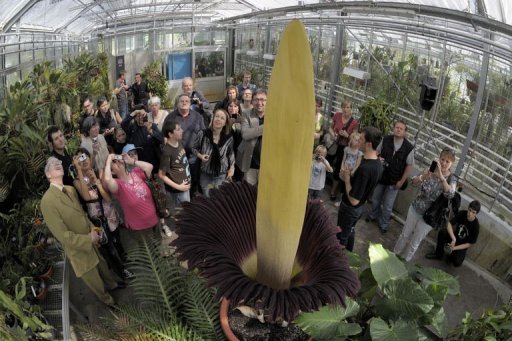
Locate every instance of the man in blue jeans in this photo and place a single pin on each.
(359, 187)
(397, 155)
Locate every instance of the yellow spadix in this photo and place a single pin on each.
(285, 158)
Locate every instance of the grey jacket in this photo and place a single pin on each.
(251, 130)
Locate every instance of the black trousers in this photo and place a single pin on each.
(457, 256)
(347, 219)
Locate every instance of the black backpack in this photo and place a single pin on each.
(442, 210)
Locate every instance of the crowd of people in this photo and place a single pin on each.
(108, 183)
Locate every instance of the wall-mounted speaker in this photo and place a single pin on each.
(428, 93)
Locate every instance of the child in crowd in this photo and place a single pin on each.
(318, 168)
(174, 169)
(352, 156)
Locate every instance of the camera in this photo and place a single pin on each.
(117, 157)
(318, 158)
(82, 157)
(145, 118)
(94, 140)
(433, 166)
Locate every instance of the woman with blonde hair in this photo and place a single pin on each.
(434, 183)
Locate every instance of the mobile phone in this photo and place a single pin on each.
(433, 166)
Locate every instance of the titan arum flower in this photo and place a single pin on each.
(298, 264)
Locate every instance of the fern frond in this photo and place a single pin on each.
(155, 277)
(200, 311)
(136, 323)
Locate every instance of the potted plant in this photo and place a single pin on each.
(298, 264)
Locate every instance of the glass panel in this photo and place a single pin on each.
(11, 78)
(202, 38)
(219, 37)
(182, 39)
(11, 59)
(209, 64)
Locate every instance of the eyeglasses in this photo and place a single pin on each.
(260, 99)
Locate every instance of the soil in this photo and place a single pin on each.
(249, 329)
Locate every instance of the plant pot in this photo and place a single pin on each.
(224, 314)
(39, 290)
(224, 322)
(47, 274)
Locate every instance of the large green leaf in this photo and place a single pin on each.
(368, 285)
(438, 320)
(328, 322)
(436, 277)
(385, 265)
(356, 262)
(396, 331)
(404, 299)
(437, 292)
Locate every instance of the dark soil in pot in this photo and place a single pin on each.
(249, 329)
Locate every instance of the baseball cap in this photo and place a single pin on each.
(129, 147)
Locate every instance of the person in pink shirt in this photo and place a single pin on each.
(132, 191)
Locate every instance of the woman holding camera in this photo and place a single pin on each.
(214, 147)
(100, 209)
(131, 190)
(95, 143)
(434, 182)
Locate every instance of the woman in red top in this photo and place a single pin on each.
(343, 124)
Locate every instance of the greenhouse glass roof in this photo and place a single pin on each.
(82, 17)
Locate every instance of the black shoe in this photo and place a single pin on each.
(368, 219)
(383, 230)
(333, 197)
(432, 255)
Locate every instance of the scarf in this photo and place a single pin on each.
(215, 158)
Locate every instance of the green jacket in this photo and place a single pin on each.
(69, 223)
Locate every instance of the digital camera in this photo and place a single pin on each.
(117, 157)
(82, 157)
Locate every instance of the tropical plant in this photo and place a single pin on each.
(91, 75)
(492, 325)
(298, 264)
(19, 320)
(156, 82)
(376, 113)
(397, 301)
(168, 302)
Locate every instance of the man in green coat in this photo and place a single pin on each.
(69, 223)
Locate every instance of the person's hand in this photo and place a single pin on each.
(76, 161)
(184, 186)
(344, 172)
(149, 126)
(343, 133)
(128, 159)
(95, 146)
(231, 172)
(108, 131)
(95, 238)
(203, 157)
(452, 244)
(90, 174)
(399, 184)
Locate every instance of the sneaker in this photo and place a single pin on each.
(127, 274)
(432, 255)
(167, 230)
